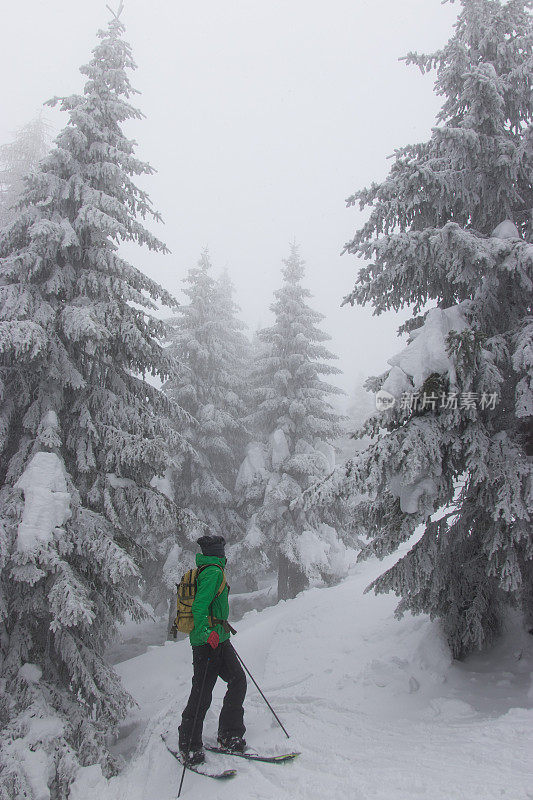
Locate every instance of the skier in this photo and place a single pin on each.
(213, 656)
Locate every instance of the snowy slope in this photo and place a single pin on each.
(376, 707)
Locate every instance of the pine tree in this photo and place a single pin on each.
(449, 234)
(18, 158)
(207, 341)
(82, 434)
(296, 428)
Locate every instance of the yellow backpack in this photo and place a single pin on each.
(186, 592)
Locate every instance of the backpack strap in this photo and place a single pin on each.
(223, 582)
(225, 624)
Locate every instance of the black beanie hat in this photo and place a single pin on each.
(212, 546)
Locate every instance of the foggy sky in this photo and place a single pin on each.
(261, 118)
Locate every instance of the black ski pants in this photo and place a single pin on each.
(208, 665)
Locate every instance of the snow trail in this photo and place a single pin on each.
(375, 705)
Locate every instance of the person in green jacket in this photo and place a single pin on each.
(213, 656)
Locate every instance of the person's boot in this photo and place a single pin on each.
(236, 744)
(193, 756)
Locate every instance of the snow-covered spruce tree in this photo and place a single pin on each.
(207, 342)
(239, 348)
(17, 159)
(451, 227)
(295, 427)
(82, 435)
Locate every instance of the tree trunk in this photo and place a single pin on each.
(283, 578)
(171, 616)
(291, 579)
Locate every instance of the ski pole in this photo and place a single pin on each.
(193, 725)
(262, 695)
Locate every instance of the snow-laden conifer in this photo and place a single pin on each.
(17, 159)
(451, 228)
(295, 426)
(82, 434)
(207, 342)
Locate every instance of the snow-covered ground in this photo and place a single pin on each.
(375, 705)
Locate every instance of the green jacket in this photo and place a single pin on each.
(208, 585)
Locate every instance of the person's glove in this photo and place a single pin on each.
(212, 640)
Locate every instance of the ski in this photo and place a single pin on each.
(201, 769)
(281, 759)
